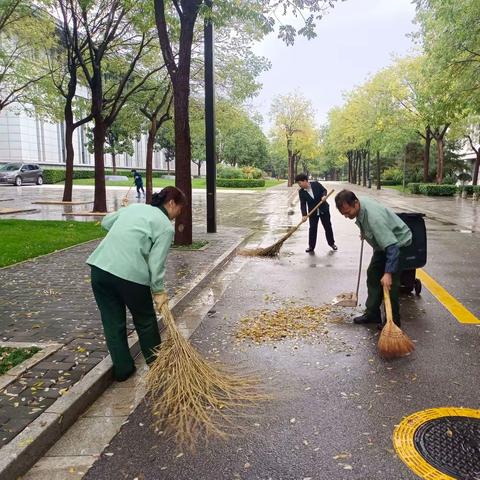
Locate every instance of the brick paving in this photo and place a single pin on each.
(49, 299)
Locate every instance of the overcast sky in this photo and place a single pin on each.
(355, 39)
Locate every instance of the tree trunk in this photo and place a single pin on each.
(70, 154)
(149, 160)
(476, 168)
(290, 162)
(368, 170)
(99, 133)
(199, 169)
(364, 178)
(183, 158)
(350, 167)
(359, 174)
(439, 136)
(114, 161)
(379, 185)
(440, 159)
(426, 154)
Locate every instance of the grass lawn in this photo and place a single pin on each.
(24, 239)
(164, 182)
(11, 357)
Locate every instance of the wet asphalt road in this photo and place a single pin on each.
(335, 402)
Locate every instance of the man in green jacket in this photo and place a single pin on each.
(127, 268)
(387, 234)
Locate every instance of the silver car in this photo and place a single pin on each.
(20, 173)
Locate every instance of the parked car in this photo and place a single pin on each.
(20, 173)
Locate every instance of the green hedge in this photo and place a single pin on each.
(388, 183)
(470, 189)
(437, 190)
(56, 175)
(414, 187)
(240, 182)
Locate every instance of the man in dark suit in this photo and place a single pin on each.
(311, 193)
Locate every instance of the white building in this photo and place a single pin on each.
(27, 139)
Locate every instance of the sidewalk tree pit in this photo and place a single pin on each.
(11, 357)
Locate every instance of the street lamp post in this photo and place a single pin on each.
(210, 157)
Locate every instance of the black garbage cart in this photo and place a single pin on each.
(415, 254)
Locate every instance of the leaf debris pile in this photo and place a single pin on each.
(287, 322)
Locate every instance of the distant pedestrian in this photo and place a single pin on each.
(127, 268)
(311, 193)
(384, 230)
(137, 178)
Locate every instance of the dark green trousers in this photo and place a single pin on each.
(375, 272)
(113, 295)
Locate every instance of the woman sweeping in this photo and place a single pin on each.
(127, 268)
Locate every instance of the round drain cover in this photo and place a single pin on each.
(452, 445)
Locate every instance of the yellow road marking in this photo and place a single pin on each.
(450, 303)
(404, 443)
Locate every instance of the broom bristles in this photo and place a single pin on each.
(393, 342)
(189, 396)
(271, 251)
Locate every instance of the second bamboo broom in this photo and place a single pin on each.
(191, 398)
(393, 343)
(274, 249)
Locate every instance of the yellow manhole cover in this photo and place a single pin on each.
(440, 443)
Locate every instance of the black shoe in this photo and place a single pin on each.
(334, 247)
(362, 319)
(309, 250)
(122, 378)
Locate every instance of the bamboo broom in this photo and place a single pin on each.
(125, 198)
(192, 398)
(393, 343)
(275, 248)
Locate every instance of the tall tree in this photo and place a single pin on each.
(118, 35)
(156, 109)
(291, 115)
(183, 14)
(25, 30)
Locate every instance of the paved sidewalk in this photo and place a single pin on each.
(48, 300)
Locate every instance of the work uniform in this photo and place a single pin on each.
(127, 266)
(387, 234)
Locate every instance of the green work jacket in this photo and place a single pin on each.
(136, 245)
(380, 226)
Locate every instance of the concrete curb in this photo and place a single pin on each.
(26, 448)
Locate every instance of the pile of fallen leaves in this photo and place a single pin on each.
(287, 322)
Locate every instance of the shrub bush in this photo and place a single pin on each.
(240, 182)
(56, 175)
(449, 180)
(392, 175)
(224, 171)
(388, 183)
(252, 172)
(414, 187)
(432, 189)
(466, 188)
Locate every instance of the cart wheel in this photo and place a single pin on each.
(418, 287)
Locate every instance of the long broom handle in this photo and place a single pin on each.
(126, 195)
(359, 268)
(388, 304)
